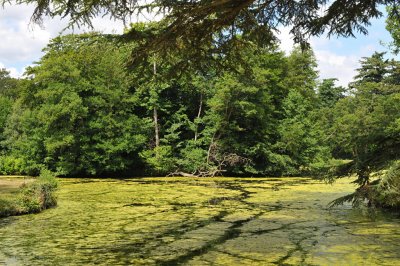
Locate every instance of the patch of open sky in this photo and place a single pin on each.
(338, 57)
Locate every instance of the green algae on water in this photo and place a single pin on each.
(206, 221)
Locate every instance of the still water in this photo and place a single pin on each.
(223, 221)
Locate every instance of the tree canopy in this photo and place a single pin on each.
(189, 24)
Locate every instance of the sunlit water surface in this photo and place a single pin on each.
(224, 221)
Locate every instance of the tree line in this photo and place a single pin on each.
(253, 111)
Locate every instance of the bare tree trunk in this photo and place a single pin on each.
(156, 131)
(155, 113)
(209, 149)
(196, 133)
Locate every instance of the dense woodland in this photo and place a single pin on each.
(257, 112)
(245, 110)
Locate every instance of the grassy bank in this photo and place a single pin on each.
(27, 196)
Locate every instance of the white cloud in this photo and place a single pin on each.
(336, 57)
(286, 40)
(331, 65)
(22, 41)
(13, 71)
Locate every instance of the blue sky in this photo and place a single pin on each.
(21, 43)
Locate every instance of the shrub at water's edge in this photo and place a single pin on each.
(32, 197)
(383, 190)
(388, 189)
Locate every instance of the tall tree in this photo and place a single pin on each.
(243, 114)
(77, 114)
(8, 92)
(373, 69)
(8, 85)
(329, 93)
(366, 127)
(297, 142)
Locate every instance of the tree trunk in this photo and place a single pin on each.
(209, 149)
(196, 133)
(155, 113)
(156, 131)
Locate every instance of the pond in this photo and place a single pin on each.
(219, 221)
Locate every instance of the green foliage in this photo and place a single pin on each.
(329, 93)
(373, 69)
(245, 110)
(389, 188)
(193, 159)
(366, 128)
(84, 113)
(39, 195)
(10, 165)
(8, 93)
(77, 114)
(32, 197)
(160, 159)
(300, 139)
(214, 123)
(5, 111)
(393, 26)
(365, 131)
(8, 85)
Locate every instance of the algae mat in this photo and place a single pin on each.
(181, 221)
